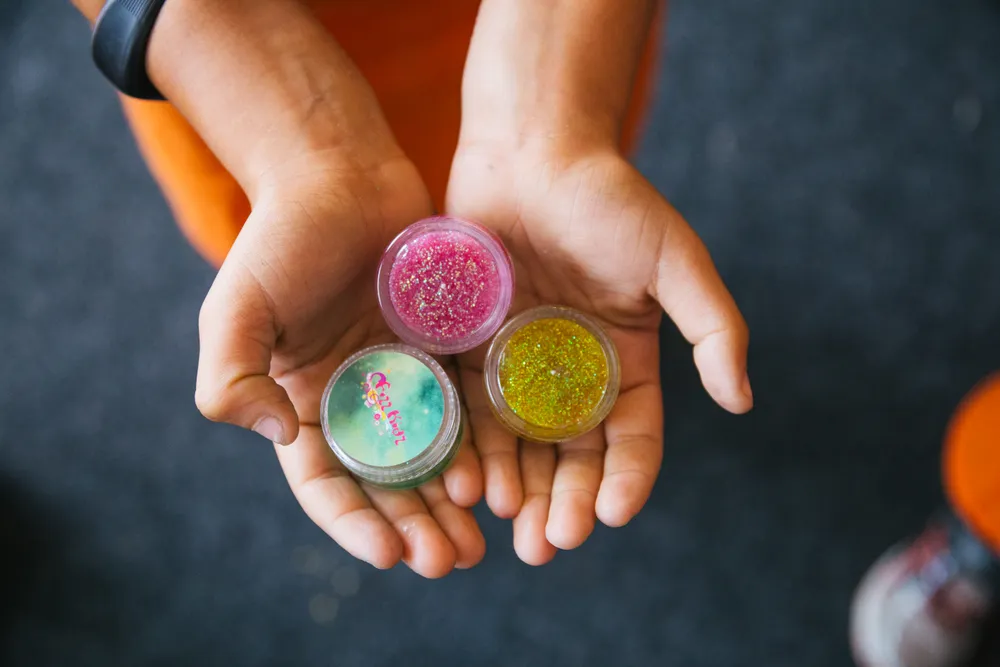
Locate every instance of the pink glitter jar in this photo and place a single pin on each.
(445, 285)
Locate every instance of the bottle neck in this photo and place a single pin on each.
(972, 556)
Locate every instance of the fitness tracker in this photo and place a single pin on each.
(121, 37)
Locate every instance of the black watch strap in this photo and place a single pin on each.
(121, 37)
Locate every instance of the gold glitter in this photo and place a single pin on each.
(553, 373)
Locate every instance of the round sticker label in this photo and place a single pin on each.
(385, 409)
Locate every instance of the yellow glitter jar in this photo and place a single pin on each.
(551, 374)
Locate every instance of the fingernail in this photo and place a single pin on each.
(747, 391)
(270, 428)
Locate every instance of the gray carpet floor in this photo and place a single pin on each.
(841, 160)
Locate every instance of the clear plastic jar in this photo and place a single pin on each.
(551, 374)
(392, 416)
(445, 285)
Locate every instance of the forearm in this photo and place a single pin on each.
(264, 85)
(548, 70)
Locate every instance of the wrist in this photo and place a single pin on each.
(553, 76)
(562, 129)
(331, 190)
(537, 143)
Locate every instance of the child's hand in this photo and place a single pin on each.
(586, 230)
(290, 117)
(293, 299)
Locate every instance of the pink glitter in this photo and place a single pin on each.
(444, 284)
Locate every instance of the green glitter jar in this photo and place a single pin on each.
(392, 416)
(551, 374)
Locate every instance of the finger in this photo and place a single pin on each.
(692, 293)
(456, 522)
(426, 548)
(634, 434)
(579, 468)
(464, 477)
(335, 502)
(237, 333)
(497, 448)
(538, 464)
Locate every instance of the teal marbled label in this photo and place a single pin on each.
(385, 409)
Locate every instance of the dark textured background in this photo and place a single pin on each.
(841, 160)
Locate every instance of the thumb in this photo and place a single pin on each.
(237, 332)
(692, 293)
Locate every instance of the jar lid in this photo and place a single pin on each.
(971, 460)
(391, 415)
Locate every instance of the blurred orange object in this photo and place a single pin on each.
(411, 52)
(972, 461)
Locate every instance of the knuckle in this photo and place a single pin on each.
(206, 313)
(742, 329)
(211, 403)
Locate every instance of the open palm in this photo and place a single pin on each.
(293, 299)
(591, 233)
